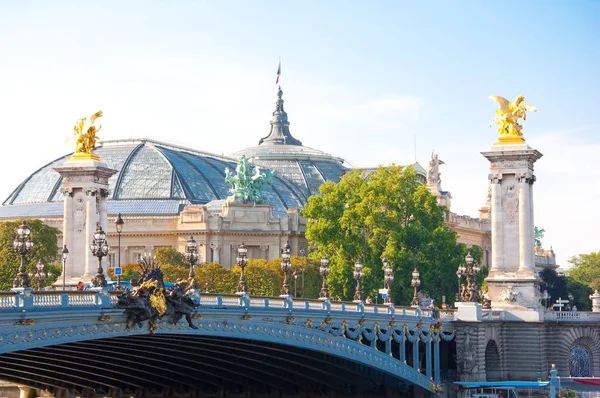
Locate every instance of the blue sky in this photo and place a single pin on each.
(361, 81)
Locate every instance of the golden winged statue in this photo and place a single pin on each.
(85, 134)
(507, 117)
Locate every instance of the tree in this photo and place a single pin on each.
(586, 269)
(538, 236)
(45, 249)
(388, 213)
(170, 256)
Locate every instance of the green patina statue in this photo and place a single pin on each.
(248, 182)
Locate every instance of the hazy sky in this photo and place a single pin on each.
(361, 80)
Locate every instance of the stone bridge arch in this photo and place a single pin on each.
(578, 336)
(106, 347)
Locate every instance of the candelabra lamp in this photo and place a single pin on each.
(242, 260)
(358, 275)
(388, 278)
(22, 245)
(415, 283)
(191, 255)
(324, 271)
(285, 267)
(99, 249)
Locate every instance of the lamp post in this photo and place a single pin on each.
(285, 267)
(388, 278)
(358, 275)
(22, 245)
(65, 254)
(40, 276)
(324, 271)
(99, 249)
(119, 224)
(295, 273)
(242, 260)
(459, 273)
(191, 255)
(470, 291)
(415, 283)
(303, 254)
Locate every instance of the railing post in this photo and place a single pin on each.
(219, 301)
(307, 305)
(326, 304)
(64, 299)
(105, 298)
(391, 310)
(343, 307)
(17, 298)
(360, 308)
(266, 302)
(27, 298)
(554, 383)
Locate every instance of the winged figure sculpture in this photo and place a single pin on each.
(508, 115)
(86, 133)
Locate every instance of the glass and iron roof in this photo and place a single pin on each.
(151, 170)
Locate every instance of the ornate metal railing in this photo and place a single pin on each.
(56, 299)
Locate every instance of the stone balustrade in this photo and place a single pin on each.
(51, 300)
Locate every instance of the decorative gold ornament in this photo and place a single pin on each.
(246, 317)
(104, 318)
(85, 134)
(23, 322)
(507, 117)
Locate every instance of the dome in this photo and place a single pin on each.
(152, 171)
(305, 167)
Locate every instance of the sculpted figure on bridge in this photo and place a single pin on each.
(150, 301)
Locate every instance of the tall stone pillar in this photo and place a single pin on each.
(85, 190)
(512, 280)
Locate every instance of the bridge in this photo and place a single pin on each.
(77, 342)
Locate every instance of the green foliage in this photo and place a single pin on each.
(560, 287)
(586, 269)
(170, 256)
(129, 272)
(538, 236)
(387, 214)
(45, 248)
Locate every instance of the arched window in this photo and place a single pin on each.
(580, 362)
(492, 361)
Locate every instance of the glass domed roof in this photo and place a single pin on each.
(154, 170)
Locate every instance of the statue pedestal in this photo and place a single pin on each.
(512, 280)
(85, 190)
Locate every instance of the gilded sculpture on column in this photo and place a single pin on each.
(85, 133)
(507, 117)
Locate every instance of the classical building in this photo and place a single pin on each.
(168, 193)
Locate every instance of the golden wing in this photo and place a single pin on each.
(527, 107)
(95, 116)
(502, 102)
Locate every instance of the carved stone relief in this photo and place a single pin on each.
(510, 203)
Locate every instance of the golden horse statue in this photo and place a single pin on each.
(86, 134)
(507, 117)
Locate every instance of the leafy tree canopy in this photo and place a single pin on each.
(586, 269)
(389, 213)
(170, 256)
(45, 249)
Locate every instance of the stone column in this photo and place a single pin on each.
(497, 245)
(68, 211)
(216, 254)
(91, 221)
(526, 267)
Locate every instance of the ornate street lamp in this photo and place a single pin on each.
(191, 255)
(65, 254)
(415, 283)
(470, 292)
(388, 278)
(303, 254)
(242, 260)
(99, 249)
(285, 267)
(459, 274)
(119, 224)
(22, 245)
(324, 271)
(358, 275)
(40, 276)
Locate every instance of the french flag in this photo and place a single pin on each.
(278, 73)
